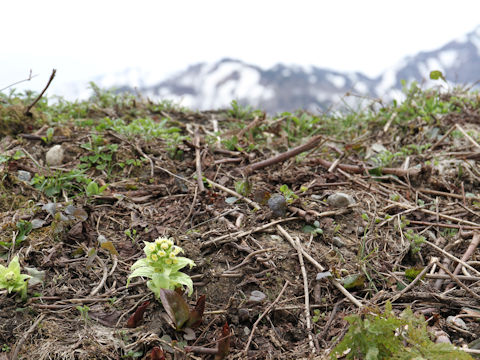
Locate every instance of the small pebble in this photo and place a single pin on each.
(54, 156)
(338, 242)
(37, 223)
(457, 322)
(339, 200)
(51, 208)
(278, 205)
(256, 296)
(243, 314)
(24, 175)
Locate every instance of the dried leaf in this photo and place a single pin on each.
(175, 306)
(137, 316)
(224, 343)
(108, 245)
(353, 282)
(189, 334)
(196, 314)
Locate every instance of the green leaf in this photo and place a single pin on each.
(375, 171)
(145, 271)
(92, 188)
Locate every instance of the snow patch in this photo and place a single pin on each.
(312, 79)
(433, 64)
(337, 80)
(448, 57)
(286, 72)
(361, 87)
(475, 40)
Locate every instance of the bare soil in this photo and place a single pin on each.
(237, 248)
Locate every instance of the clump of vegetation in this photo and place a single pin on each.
(386, 336)
(12, 280)
(162, 266)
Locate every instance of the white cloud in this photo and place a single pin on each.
(88, 38)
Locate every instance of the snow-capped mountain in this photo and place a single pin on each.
(287, 88)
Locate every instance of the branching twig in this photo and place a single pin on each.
(237, 235)
(234, 193)
(30, 77)
(454, 258)
(267, 310)
(312, 143)
(25, 336)
(455, 278)
(413, 283)
(362, 170)
(198, 160)
(306, 296)
(27, 110)
(335, 283)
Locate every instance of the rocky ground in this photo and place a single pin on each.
(293, 222)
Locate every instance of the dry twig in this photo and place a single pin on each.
(311, 144)
(267, 310)
(29, 107)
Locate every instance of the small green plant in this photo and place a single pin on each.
(289, 195)
(403, 222)
(101, 154)
(24, 228)
(83, 310)
(416, 241)
(47, 139)
(162, 266)
(386, 336)
(12, 280)
(243, 187)
(316, 316)
(6, 348)
(315, 229)
(52, 186)
(132, 234)
(239, 112)
(93, 189)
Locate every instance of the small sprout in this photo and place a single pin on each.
(290, 196)
(12, 280)
(364, 216)
(316, 315)
(394, 197)
(83, 310)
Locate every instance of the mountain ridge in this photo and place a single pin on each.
(289, 87)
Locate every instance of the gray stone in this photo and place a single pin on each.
(278, 204)
(340, 199)
(24, 175)
(257, 296)
(457, 322)
(54, 156)
(338, 242)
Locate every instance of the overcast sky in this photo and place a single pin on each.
(87, 38)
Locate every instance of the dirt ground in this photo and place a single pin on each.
(255, 262)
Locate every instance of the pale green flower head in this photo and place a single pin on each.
(161, 265)
(11, 278)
